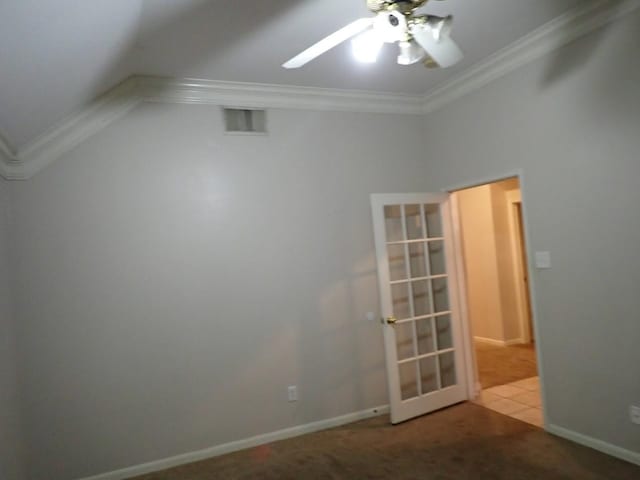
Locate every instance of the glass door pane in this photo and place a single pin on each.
(414, 222)
(412, 245)
(433, 220)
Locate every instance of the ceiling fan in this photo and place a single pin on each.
(419, 37)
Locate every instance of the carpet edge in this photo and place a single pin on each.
(237, 445)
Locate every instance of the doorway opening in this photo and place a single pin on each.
(496, 281)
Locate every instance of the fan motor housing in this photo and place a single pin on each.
(404, 6)
(391, 27)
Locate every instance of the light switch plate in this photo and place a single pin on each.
(543, 260)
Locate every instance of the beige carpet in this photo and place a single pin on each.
(502, 365)
(462, 442)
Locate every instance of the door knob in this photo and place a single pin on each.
(391, 320)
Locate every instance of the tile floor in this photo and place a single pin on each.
(519, 400)
(501, 365)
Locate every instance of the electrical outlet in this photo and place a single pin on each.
(634, 414)
(292, 392)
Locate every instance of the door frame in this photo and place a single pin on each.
(514, 199)
(472, 375)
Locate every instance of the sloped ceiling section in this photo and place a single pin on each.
(56, 56)
(249, 41)
(59, 56)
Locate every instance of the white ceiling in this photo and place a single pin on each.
(56, 56)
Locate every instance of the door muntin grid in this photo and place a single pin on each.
(420, 298)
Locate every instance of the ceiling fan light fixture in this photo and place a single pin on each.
(391, 26)
(366, 47)
(429, 62)
(440, 26)
(395, 21)
(410, 53)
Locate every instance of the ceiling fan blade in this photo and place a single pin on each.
(443, 51)
(329, 42)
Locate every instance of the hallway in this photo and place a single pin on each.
(501, 365)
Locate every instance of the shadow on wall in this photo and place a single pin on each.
(200, 30)
(342, 327)
(561, 65)
(609, 70)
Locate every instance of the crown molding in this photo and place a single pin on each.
(7, 153)
(551, 36)
(37, 154)
(25, 162)
(196, 91)
(73, 130)
(8, 159)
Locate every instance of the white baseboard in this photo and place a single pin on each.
(600, 445)
(240, 445)
(499, 343)
(478, 390)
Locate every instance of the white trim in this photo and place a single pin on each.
(499, 343)
(579, 21)
(514, 198)
(8, 159)
(478, 390)
(36, 155)
(470, 183)
(25, 162)
(80, 126)
(600, 445)
(7, 153)
(240, 444)
(12, 170)
(471, 364)
(535, 317)
(69, 133)
(519, 174)
(259, 95)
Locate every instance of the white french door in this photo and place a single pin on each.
(419, 303)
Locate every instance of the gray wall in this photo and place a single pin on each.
(571, 121)
(172, 281)
(11, 452)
